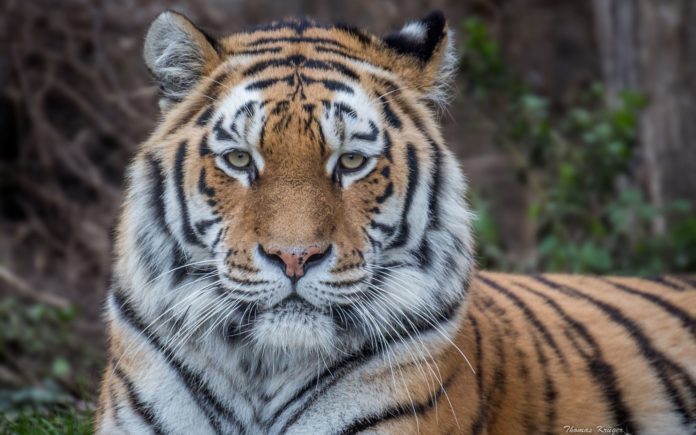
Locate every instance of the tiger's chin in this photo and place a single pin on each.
(294, 328)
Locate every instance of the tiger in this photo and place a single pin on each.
(295, 256)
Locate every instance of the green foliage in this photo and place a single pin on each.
(43, 370)
(65, 422)
(488, 238)
(589, 212)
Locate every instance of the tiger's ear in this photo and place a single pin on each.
(426, 55)
(178, 54)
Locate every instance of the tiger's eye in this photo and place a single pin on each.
(238, 159)
(352, 161)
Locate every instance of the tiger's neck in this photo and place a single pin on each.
(273, 393)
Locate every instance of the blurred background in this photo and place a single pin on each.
(573, 120)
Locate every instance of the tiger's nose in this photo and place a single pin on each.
(295, 262)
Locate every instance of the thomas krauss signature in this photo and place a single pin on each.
(597, 429)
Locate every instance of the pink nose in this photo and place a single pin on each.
(296, 261)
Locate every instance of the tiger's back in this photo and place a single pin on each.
(564, 354)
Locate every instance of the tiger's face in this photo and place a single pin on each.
(302, 176)
(306, 171)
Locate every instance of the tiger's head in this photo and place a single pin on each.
(297, 194)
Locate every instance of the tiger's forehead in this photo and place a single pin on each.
(278, 101)
(280, 36)
(313, 60)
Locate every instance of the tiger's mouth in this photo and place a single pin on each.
(295, 303)
(293, 325)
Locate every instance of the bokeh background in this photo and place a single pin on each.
(574, 121)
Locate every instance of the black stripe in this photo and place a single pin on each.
(189, 235)
(143, 409)
(376, 245)
(379, 277)
(385, 171)
(208, 95)
(397, 411)
(266, 83)
(335, 86)
(256, 51)
(215, 86)
(343, 284)
(191, 111)
(689, 281)
(220, 133)
(664, 282)
(157, 191)
(603, 372)
(247, 109)
(388, 230)
(233, 265)
(202, 226)
(480, 421)
(294, 60)
(665, 369)
(148, 257)
(342, 53)
(343, 69)
(243, 281)
(367, 137)
(685, 318)
(205, 117)
(388, 192)
(297, 40)
(387, 147)
(332, 85)
(404, 228)
(435, 187)
(115, 406)
(389, 115)
(281, 106)
(424, 253)
(436, 184)
(204, 398)
(217, 239)
(528, 314)
(550, 392)
(178, 262)
(203, 187)
(203, 148)
(344, 109)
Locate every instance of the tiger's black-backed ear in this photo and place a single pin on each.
(427, 52)
(419, 38)
(178, 54)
